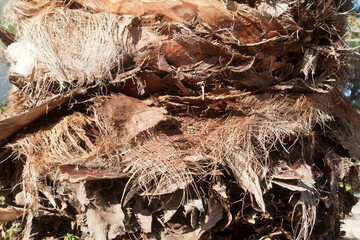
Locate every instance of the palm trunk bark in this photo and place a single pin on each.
(203, 119)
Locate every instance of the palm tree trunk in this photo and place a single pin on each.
(171, 119)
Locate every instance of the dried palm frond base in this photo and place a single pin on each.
(204, 119)
(207, 44)
(128, 168)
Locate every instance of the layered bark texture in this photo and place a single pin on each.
(178, 119)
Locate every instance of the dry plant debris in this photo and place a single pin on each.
(204, 119)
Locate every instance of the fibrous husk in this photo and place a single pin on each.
(59, 61)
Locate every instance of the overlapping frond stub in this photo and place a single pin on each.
(204, 119)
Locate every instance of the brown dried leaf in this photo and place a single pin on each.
(289, 186)
(171, 205)
(96, 224)
(143, 215)
(247, 177)
(23, 199)
(213, 215)
(130, 115)
(9, 213)
(175, 54)
(115, 217)
(81, 195)
(298, 179)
